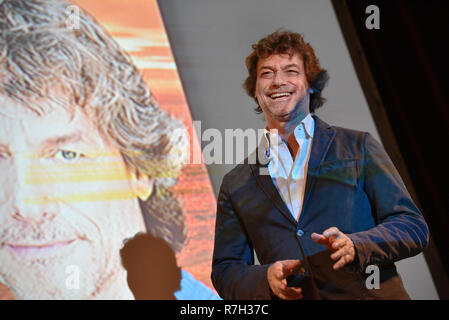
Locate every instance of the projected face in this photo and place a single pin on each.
(67, 201)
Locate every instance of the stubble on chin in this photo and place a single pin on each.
(50, 278)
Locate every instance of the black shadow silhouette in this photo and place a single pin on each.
(153, 273)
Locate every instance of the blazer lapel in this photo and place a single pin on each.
(263, 179)
(322, 138)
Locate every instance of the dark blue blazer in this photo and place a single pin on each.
(351, 184)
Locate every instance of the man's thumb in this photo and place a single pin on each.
(290, 265)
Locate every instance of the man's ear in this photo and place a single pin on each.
(142, 185)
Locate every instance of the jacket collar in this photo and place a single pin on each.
(323, 136)
(322, 139)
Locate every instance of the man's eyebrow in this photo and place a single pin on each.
(67, 138)
(293, 65)
(266, 67)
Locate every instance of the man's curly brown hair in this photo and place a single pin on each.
(287, 42)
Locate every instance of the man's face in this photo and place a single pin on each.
(281, 87)
(66, 204)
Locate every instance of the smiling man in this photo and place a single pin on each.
(87, 158)
(331, 205)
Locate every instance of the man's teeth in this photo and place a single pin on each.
(278, 95)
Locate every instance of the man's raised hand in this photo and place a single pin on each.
(338, 242)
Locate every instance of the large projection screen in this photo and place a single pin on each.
(94, 151)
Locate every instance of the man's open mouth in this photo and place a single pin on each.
(279, 95)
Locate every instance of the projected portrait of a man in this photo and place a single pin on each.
(87, 158)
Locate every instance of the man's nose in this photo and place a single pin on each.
(30, 201)
(278, 79)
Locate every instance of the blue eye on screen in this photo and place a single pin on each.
(68, 155)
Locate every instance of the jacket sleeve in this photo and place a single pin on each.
(400, 230)
(234, 274)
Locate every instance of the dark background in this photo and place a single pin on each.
(406, 62)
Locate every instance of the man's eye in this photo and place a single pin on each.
(292, 71)
(68, 155)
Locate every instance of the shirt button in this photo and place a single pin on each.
(300, 232)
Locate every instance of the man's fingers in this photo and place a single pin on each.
(328, 237)
(319, 238)
(282, 285)
(338, 265)
(294, 293)
(280, 270)
(342, 262)
(345, 259)
(291, 264)
(336, 241)
(339, 253)
(339, 243)
(332, 233)
(276, 276)
(279, 274)
(288, 266)
(287, 293)
(285, 297)
(290, 293)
